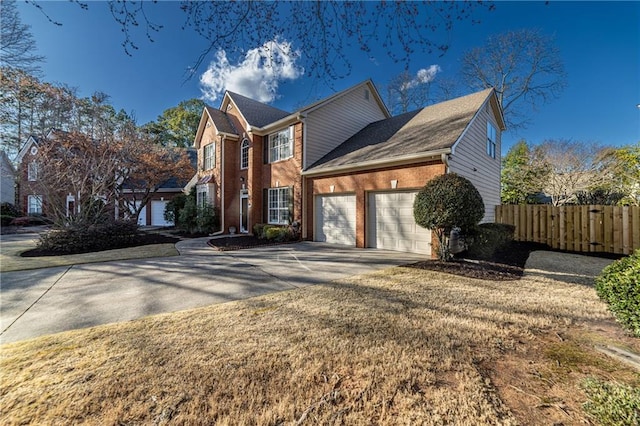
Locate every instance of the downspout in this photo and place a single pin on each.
(445, 161)
(222, 225)
(303, 180)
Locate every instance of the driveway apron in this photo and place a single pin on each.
(50, 300)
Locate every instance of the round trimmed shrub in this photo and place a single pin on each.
(619, 286)
(445, 202)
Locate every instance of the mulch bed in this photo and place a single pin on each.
(505, 265)
(239, 242)
(143, 239)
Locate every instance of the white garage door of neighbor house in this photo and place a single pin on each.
(142, 217)
(336, 219)
(157, 213)
(391, 223)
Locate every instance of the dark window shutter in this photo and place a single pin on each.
(265, 146)
(290, 204)
(265, 205)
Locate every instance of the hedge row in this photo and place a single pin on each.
(81, 239)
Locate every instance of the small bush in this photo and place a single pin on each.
(278, 233)
(208, 219)
(8, 209)
(5, 220)
(173, 207)
(82, 239)
(619, 286)
(489, 237)
(612, 403)
(258, 230)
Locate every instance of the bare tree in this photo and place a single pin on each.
(20, 93)
(75, 165)
(407, 92)
(120, 169)
(326, 29)
(573, 167)
(17, 46)
(144, 167)
(523, 66)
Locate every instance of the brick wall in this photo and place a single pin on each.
(361, 183)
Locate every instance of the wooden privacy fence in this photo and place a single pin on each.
(610, 229)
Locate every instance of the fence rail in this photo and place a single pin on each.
(609, 229)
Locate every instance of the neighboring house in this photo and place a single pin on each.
(152, 214)
(31, 199)
(343, 168)
(8, 182)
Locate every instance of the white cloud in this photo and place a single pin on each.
(256, 76)
(423, 76)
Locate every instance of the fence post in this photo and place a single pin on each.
(584, 230)
(635, 228)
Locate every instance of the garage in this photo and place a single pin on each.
(157, 213)
(142, 217)
(391, 224)
(336, 219)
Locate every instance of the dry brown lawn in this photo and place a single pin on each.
(400, 346)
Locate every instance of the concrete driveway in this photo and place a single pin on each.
(51, 300)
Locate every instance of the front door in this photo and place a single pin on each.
(244, 212)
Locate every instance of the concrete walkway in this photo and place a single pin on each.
(50, 300)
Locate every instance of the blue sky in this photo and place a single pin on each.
(599, 43)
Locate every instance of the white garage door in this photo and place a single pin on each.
(391, 223)
(336, 219)
(157, 213)
(142, 217)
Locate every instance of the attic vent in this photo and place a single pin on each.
(208, 124)
(366, 94)
(229, 107)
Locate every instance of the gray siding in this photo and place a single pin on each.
(8, 182)
(471, 161)
(333, 123)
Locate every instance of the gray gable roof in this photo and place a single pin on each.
(221, 121)
(173, 182)
(433, 128)
(256, 113)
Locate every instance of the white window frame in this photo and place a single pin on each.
(32, 171)
(281, 145)
(244, 154)
(491, 140)
(204, 194)
(278, 206)
(34, 204)
(209, 155)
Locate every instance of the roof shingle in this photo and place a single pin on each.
(256, 113)
(432, 128)
(221, 121)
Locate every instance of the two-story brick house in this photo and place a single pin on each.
(31, 197)
(251, 155)
(343, 168)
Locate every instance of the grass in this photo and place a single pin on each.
(10, 259)
(399, 346)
